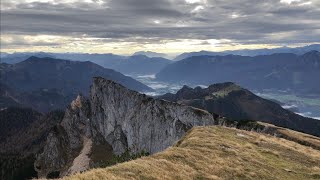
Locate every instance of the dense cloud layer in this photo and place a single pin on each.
(158, 21)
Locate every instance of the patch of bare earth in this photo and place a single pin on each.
(81, 162)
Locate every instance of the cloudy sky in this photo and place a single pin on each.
(169, 26)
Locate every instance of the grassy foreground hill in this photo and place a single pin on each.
(222, 153)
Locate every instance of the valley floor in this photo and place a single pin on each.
(220, 153)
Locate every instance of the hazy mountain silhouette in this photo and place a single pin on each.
(277, 71)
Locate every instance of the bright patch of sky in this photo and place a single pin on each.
(197, 8)
(289, 1)
(156, 21)
(195, 1)
(296, 2)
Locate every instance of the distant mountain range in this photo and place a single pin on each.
(137, 64)
(21, 56)
(233, 102)
(147, 62)
(97, 58)
(141, 65)
(284, 71)
(151, 54)
(133, 65)
(69, 76)
(252, 52)
(46, 83)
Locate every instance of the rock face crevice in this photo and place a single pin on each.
(124, 119)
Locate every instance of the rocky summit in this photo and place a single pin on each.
(114, 121)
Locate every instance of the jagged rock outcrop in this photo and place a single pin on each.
(65, 141)
(120, 119)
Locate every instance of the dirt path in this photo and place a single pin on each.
(81, 162)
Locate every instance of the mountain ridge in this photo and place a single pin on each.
(135, 64)
(151, 54)
(112, 117)
(283, 71)
(69, 76)
(236, 103)
(252, 52)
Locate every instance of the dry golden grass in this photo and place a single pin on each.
(220, 153)
(301, 138)
(224, 92)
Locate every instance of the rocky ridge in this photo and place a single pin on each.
(236, 103)
(117, 120)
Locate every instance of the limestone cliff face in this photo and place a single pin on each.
(119, 117)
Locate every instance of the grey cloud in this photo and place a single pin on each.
(132, 20)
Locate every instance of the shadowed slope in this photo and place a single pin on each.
(67, 76)
(236, 103)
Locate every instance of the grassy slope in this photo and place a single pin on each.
(220, 153)
(301, 138)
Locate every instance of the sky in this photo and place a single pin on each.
(166, 26)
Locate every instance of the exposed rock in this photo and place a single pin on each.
(121, 118)
(54, 152)
(66, 141)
